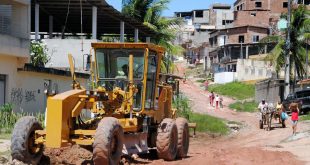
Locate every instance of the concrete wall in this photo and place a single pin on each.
(218, 15)
(248, 69)
(14, 39)
(224, 77)
(14, 46)
(28, 93)
(202, 20)
(59, 49)
(270, 90)
(25, 89)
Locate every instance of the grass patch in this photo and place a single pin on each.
(235, 90)
(244, 107)
(201, 80)
(5, 136)
(210, 124)
(234, 122)
(305, 117)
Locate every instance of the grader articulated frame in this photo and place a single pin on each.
(131, 110)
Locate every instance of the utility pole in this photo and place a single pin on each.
(307, 59)
(288, 48)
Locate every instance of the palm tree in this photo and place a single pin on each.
(300, 32)
(149, 12)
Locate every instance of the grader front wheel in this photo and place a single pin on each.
(23, 147)
(108, 144)
(167, 140)
(183, 137)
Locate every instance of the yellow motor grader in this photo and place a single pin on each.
(131, 110)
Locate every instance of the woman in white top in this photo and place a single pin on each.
(217, 100)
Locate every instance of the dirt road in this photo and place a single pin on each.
(250, 145)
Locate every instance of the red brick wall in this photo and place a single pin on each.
(243, 18)
(247, 32)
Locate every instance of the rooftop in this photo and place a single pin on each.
(68, 13)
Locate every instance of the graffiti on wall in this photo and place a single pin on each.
(30, 96)
(18, 95)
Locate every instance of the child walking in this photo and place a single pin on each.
(295, 111)
(217, 101)
(221, 101)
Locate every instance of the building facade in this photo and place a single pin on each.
(14, 43)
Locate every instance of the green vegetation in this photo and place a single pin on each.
(305, 117)
(39, 53)
(299, 36)
(205, 123)
(8, 118)
(201, 80)
(150, 13)
(244, 107)
(210, 124)
(5, 135)
(235, 90)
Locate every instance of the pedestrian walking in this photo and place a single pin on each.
(210, 98)
(221, 101)
(295, 111)
(217, 101)
(184, 77)
(206, 83)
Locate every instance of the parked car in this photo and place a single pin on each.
(301, 97)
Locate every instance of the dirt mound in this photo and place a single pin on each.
(67, 155)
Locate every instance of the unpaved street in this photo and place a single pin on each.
(249, 145)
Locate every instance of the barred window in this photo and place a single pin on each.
(5, 19)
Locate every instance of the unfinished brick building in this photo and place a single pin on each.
(253, 20)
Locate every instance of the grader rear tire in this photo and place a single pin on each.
(108, 143)
(183, 137)
(23, 147)
(167, 140)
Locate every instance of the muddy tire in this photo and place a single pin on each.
(23, 147)
(167, 140)
(108, 143)
(183, 137)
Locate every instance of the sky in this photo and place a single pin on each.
(179, 5)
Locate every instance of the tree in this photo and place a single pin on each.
(149, 12)
(300, 30)
(38, 54)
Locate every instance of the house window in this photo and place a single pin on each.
(253, 14)
(199, 13)
(2, 89)
(241, 39)
(285, 4)
(226, 22)
(258, 4)
(5, 19)
(255, 38)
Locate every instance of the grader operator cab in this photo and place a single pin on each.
(131, 110)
